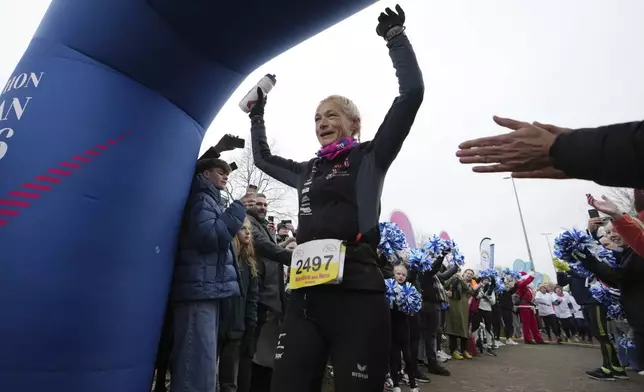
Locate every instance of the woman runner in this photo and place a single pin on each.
(339, 200)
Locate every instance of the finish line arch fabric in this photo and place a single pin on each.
(100, 126)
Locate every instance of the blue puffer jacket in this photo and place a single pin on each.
(206, 266)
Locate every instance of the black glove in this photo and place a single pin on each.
(258, 109)
(389, 19)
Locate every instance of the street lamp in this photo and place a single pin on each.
(547, 235)
(525, 233)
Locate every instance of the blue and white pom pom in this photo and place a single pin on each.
(457, 257)
(607, 297)
(489, 273)
(516, 275)
(571, 241)
(392, 242)
(420, 260)
(436, 246)
(408, 299)
(625, 342)
(391, 291)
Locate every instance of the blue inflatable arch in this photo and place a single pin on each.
(100, 126)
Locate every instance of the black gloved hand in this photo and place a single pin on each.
(389, 19)
(258, 109)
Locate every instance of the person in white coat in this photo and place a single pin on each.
(487, 297)
(564, 311)
(546, 311)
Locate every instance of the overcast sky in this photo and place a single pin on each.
(573, 63)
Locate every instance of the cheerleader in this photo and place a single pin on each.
(400, 342)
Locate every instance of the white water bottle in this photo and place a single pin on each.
(266, 84)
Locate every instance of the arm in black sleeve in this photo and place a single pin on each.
(448, 273)
(612, 155)
(436, 266)
(266, 248)
(251, 303)
(281, 169)
(210, 153)
(606, 273)
(398, 121)
(563, 279)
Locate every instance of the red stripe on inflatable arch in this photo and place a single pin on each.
(48, 179)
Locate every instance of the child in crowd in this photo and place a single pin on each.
(238, 315)
(400, 342)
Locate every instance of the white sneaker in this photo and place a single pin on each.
(641, 373)
(499, 343)
(510, 342)
(442, 357)
(415, 390)
(397, 389)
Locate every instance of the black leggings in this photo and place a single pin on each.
(508, 323)
(486, 317)
(400, 344)
(414, 342)
(582, 329)
(568, 326)
(352, 327)
(496, 321)
(597, 322)
(454, 343)
(551, 324)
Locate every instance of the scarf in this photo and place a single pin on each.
(332, 150)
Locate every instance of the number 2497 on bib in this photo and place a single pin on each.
(317, 262)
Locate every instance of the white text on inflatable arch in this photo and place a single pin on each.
(14, 107)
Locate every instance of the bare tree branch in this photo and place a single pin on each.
(623, 197)
(281, 198)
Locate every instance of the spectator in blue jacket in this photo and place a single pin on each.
(205, 273)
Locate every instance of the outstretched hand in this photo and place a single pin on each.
(606, 205)
(389, 19)
(524, 152)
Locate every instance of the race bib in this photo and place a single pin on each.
(317, 262)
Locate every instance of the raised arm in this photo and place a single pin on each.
(448, 273)
(411, 88)
(281, 169)
(612, 155)
(210, 228)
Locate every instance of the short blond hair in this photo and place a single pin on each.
(349, 108)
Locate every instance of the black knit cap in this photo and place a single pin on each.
(212, 163)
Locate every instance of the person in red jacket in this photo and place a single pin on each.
(629, 228)
(531, 334)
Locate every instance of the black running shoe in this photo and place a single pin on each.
(620, 375)
(600, 374)
(439, 370)
(422, 377)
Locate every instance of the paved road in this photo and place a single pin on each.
(550, 368)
